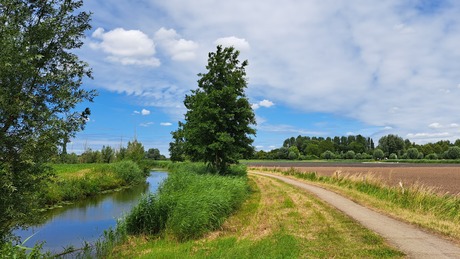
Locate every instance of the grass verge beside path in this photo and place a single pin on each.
(277, 221)
(418, 204)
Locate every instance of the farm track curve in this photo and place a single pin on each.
(407, 238)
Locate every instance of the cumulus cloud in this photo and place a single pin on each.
(238, 43)
(128, 47)
(145, 112)
(166, 124)
(264, 103)
(383, 63)
(179, 49)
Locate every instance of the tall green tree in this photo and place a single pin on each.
(107, 154)
(218, 121)
(391, 144)
(176, 147)
(135, 151)
(40, 86)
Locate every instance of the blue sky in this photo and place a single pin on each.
(316, 67)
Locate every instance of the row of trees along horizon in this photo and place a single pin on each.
(359, 147)
(134, 151)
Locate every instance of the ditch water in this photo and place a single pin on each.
(86, 220)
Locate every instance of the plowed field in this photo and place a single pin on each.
(444, 177)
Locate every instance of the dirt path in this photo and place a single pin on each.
(409, 239)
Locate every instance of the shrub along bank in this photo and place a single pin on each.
(73, 182)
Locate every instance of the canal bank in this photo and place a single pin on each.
(85, 221)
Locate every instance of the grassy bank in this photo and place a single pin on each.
(73, 182)
(276, 221)
(188, 205)
(416, 204)
(77, 181)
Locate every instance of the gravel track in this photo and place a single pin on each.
(405, 237)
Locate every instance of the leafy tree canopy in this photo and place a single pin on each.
(218, 121)
(40, 79)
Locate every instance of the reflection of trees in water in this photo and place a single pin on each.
(111, 202)
(88, 218)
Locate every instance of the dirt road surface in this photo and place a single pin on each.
(409, 239)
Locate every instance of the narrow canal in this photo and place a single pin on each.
(86, 220)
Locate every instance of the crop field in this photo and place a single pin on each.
(445, 178)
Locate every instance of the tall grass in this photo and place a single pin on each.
(188, 205)
(417, 197)
(79, 181)
(202, 168)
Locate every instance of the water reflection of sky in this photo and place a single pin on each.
(86, 220)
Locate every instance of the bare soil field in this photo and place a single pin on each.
(444, 177)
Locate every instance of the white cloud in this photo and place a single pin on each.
(145, 112)
(435, 125)
(179, 49)
(415, 136)
(166, 124)
(146, 124)
(265, 103)
(238, 43)
(283, 128)
(128, 47)
(377, 62)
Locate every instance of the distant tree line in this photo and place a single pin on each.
(359, 147)
(134, 151)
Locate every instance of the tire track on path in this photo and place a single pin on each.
(405, 237)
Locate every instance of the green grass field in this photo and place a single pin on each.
(277, 221)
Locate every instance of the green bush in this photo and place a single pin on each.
(128, 171)
(328, 155)
(453, 153)
(188, 205)
(393, 156)
(350, 154)
(412, 153)
(378, 154)
(432, 156)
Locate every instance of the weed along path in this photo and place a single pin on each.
(407, 238)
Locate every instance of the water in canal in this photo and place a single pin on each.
(86, 220)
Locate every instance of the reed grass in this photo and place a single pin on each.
(188, 205)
